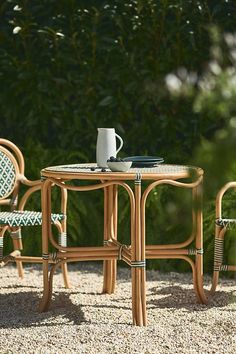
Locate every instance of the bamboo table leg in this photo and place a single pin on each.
(114, 234)
(110, 231)
(199, 244)
(64, 267)
(138, 263)
(46, 225)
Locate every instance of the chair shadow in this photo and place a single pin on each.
(21, 310)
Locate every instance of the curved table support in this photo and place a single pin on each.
(134, 255)
(174, 250)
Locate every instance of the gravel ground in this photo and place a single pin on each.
(82, 320)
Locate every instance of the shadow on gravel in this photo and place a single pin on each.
(179, 298)
(20, 310)
(19, 287)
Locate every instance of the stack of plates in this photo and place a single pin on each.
(144, 161)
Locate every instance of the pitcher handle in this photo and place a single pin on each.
(121, 143)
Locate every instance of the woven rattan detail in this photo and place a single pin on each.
(53, 256)
(26, 218)
(45, 256)
(192, 251)
(221, 267)
(62, 239)
(138, 264)
(1, 248)
(227, 223)
(16, 235)
(7, 175)
(219, 249)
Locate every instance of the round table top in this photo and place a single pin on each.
(86, 171)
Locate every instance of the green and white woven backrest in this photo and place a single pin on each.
(8, 173)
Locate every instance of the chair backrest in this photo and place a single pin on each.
(11, 166)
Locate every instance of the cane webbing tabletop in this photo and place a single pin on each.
(135, 253)
(156, 172)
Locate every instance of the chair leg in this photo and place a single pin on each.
(48, 285)
(218, 256)
(65, 275)
(20, 269)
(1, 244)
(17, 245)
(110, 231)
(18, 263)
(63, 242)
(215, 280)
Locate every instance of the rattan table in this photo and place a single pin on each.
(136, 253)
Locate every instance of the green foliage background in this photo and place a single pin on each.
(74, 66)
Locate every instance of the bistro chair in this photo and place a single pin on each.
(14, 216)
(222, 225)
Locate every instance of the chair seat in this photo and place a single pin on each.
(226, 222)
(26, 218)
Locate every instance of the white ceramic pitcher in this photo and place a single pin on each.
(106, 145)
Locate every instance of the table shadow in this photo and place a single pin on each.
(178, 298)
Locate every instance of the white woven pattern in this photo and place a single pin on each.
(7, 175)
(26, 218)
(62, 239)
(229, 223)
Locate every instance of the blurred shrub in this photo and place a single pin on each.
(68, 67)
(214, 93)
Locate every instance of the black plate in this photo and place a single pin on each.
(144, 161)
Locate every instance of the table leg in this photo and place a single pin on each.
(63, 242)
(138, 264)
(114, 205)
(46, 225)
(110, 231)
(199, 244)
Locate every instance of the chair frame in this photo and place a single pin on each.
(220, 232)
(11, 199)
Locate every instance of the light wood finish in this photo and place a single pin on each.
(220, 233)
(11, 199)
(135, 253)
